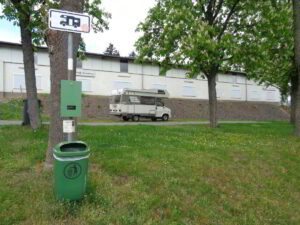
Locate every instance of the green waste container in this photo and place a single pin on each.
(70, 170)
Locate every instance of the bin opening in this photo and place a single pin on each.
(73, 147)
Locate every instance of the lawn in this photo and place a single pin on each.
(237, 174)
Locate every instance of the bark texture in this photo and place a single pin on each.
(212, 99)
(29, 68)
(296, 9)
(294, 87)
(57, 44)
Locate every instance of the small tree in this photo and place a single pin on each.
(132, 54)
(111, 50)
(203, 36)
(24, 14)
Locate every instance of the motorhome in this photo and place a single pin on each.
(136, 103)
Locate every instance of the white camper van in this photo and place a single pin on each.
(134, 103)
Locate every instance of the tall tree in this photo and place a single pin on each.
(201, 35)
(57, 46)
(24, 14)
(111, 50)
(296, 12)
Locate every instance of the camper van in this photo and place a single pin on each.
(134, 104)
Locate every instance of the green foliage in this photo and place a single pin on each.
(237, 174)
(16, 11)
(111, 50)
(99, 16)
(268, 46)
(201, 35)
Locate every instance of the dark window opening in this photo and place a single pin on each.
(124, 66)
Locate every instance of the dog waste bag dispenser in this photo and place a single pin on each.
(70, 98)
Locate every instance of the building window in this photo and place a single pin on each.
(122, 84)
(35, 58)
(124, 66)
(79, 64)
(188, 91)
(254, 95)
(19, 82)
(86, 84)
(236, 93)
(271, 95)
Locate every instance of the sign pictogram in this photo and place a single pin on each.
(69, 21)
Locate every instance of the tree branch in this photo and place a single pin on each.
(232, 11)
(219, 6)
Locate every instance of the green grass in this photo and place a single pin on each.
(11, 110)
(237, 174)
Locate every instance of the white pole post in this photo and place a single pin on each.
(70, 72)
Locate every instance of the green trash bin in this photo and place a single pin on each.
(70, 170)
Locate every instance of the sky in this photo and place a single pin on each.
(126, 15)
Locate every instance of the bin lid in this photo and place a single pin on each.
(71, 149)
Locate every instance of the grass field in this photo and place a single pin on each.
(236, 174)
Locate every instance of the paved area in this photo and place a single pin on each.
(150, 123)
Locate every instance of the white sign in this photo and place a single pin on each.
(69, 21)
(69, 126)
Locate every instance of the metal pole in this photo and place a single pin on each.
(70, 72)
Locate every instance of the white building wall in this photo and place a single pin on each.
(99, 76)
(1, 76)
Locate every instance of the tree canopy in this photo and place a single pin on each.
(204, 36)
(268, 46)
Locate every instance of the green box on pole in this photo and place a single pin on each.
(70, 98)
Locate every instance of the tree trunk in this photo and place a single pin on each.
(212, 99)
(57, 44)
(294, 86)
(296, 10)
(29, 68)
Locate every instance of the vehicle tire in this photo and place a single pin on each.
(135, 118)
(165, 117)
(125, 118)
(153, 118)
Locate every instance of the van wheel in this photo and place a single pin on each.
(153, 118)
(125, 118)
(165, 117)
(135, 118)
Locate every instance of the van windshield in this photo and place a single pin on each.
(115, 99)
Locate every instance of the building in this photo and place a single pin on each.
(100, 74)
(238, 98)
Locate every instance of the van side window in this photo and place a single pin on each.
(125, 99)
(159, 102)
(147, 100)
(134, 100)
